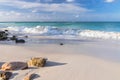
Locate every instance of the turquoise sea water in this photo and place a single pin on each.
(103, 30)
(102, 26)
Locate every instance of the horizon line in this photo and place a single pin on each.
(55, 21)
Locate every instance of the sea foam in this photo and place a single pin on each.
(65, 32)
(100, 34)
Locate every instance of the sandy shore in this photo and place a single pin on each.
(84, 60)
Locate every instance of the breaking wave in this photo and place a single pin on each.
(59, 31)
(100, 34)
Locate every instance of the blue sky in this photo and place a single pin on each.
(59, 10)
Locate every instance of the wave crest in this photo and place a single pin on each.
(100, 34)
(52, 31)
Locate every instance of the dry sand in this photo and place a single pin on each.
(85, 60)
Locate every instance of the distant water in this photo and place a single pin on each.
(101, 30)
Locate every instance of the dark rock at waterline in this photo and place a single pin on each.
(26, 36)
(3, 35)
(6, 30)
(19, 41)
(61, 44)
(13, 37)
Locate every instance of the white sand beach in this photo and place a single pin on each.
(84, 60)
(59, 39)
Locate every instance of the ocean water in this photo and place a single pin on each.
(69, 30)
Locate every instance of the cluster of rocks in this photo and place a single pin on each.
(5, 73)
(4, 36)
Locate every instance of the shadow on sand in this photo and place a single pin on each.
(35, 76)
(51, 63)
(1, 63)
(13, 75)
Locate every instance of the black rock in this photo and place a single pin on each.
(6, 30)
(13, 37)
(26, 36)
(3, 35)
(19, 41)
(61, 44)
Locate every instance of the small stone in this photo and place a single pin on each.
(6, 30)
(26, 36)
(61, 44)
(29, 77)
(20, 41)
(13, 37)
(5, 75)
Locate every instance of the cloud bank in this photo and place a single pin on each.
(38, 11)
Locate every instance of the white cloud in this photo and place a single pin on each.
(17, 16)
(77, 16)
(35, 7)
(20, 16)
(19, 4)
(63, 8)
(36, 11)
(10, 13)
(69, 0)
(109, 1)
